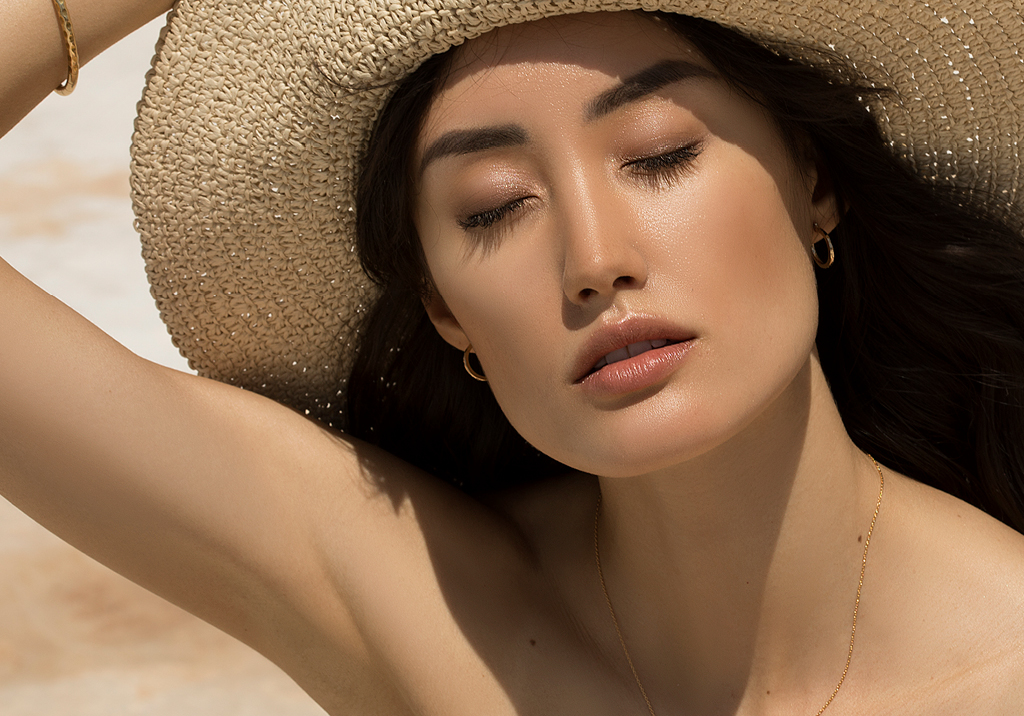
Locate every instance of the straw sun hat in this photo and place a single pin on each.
(249, 139)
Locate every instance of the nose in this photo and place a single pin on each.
(601, 248)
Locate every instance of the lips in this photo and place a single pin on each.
(630, 351)
(632, 337)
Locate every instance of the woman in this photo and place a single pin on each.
(625, 233)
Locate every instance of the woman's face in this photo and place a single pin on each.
(588, 189)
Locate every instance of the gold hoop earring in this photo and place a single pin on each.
(823, 263)
(469, 369)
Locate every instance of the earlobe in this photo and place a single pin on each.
(444, 321)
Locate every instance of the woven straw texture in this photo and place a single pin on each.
(256, 114)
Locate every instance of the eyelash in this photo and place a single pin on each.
(487, 219)
(657, 171)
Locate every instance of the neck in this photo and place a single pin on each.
(748, 555)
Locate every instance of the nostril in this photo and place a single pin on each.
(621, 283)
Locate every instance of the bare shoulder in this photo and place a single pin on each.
(951, 601)
(981, 554)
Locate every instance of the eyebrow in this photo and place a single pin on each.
(468, 141)
(643, 83)
(633, 88)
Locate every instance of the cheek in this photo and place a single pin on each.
(735, 267)
(734, 245)
(509, 310)
(766, 298)
(768, 275)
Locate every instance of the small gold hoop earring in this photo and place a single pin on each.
(469, 368)
(823, 263)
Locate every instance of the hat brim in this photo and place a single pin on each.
(255, 118)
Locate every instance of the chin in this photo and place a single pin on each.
(634, 442)
(678, 426)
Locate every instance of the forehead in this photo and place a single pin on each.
(615, 44)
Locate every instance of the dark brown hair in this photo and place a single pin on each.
(921, 322)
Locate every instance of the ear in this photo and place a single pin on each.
(446, 324)
(824, 206)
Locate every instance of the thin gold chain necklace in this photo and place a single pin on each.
(856, 604)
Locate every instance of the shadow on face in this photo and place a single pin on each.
(579, 171)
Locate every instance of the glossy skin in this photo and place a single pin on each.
(734, 503)
(677, 215)
(682, 207)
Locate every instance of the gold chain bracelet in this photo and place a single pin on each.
(66, 31)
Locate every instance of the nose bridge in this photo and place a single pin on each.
(600, 239)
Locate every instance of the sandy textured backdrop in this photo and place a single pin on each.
(75, 638)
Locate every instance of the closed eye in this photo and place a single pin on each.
(487, 219)
(659, 170)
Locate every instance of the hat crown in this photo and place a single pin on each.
(256, 117)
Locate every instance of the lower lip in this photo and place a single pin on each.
(636, 373)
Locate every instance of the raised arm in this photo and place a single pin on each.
(32, 52)
(243, 512)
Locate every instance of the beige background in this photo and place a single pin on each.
(75, 638)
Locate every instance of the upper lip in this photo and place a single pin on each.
(632, 329)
